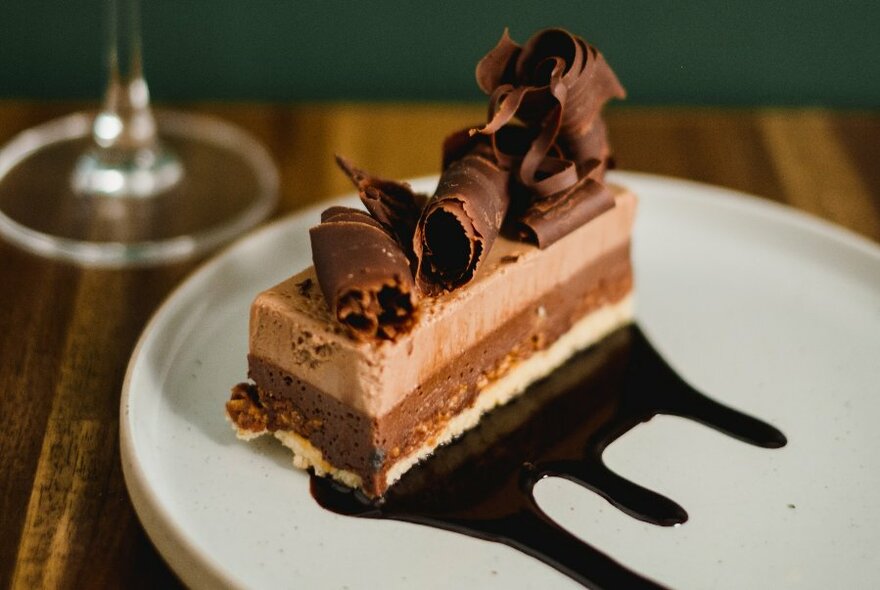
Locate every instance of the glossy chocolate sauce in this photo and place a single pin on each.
(481, 485)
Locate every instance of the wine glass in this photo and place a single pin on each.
(129, 186)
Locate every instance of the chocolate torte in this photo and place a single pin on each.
(422, 313)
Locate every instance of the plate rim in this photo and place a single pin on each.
(194, 566)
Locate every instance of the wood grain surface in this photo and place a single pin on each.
(66, 333)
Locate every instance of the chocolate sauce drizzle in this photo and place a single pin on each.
(482, 484)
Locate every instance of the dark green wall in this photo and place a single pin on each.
(712, 52)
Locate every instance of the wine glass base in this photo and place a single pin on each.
(139, 175)
(228, 184)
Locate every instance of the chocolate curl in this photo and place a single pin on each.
(530, 82)
(589, 80)
(460, 223)
(557, 82)
(393, 204)
(496, 67)
(505, 147)
(550, 218)
(364, 275)
(592, 146)
(462, 143)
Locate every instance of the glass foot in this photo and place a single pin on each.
(220, 183)
(141, 174)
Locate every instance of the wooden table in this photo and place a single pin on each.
(66, 333)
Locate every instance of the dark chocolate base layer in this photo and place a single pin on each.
(368, 446)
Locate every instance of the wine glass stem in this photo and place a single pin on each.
(126, 158)
(126, 121)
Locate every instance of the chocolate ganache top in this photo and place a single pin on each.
(537, 166)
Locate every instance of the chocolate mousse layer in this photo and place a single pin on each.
(351, 440)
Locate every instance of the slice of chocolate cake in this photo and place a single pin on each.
(423, 313)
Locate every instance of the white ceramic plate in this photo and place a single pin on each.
(761, 307)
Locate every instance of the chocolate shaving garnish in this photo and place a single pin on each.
(552, 218)
(364, 274)
(461, 143)
(498, 65)
(505, 147)
(539, 161)
(394, 204)
(460, 223)
(555, 68)
(593, 145)
(555, 86)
